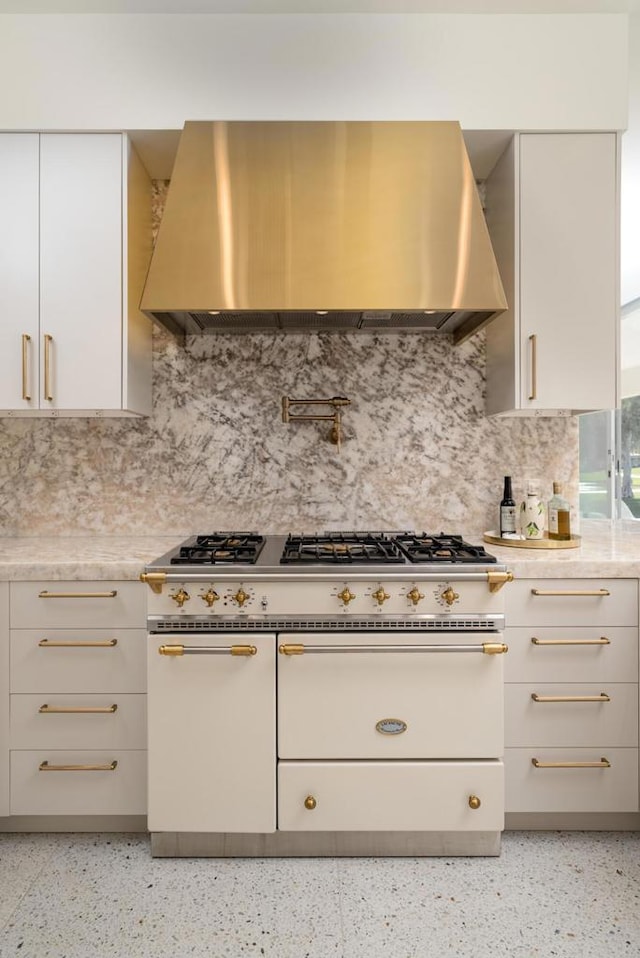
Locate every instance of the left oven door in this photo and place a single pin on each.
(211, 738)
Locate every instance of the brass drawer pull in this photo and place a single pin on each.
(45, 767)
(603, 640)
(603, 763)
(25, 367)
(79, 710)
(603, 697)
(78, 595)
(76, 644)
(207, 650)
(486, 648)
(596, 592)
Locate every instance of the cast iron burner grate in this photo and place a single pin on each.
(341, 548)
(421, 547)
(220, 548)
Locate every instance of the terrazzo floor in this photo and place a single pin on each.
(87, 896)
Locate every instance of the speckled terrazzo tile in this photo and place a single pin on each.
(22, 859)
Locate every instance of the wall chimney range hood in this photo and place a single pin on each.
(322, 226)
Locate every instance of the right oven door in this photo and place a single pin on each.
(393, 696)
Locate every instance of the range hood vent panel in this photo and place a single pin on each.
(322, 225)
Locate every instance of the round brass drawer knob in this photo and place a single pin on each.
(474, 801)
(310, 802)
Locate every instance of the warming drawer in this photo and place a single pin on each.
(362, 697)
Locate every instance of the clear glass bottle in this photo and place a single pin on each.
(559, 512)
(507, 511)
(532, 515)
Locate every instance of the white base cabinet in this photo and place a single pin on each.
(75, 244)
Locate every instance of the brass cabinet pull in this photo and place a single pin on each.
(603, 763)
(78, 595)
(603, 640)
(474, 802)
(603, 697)
(26, 339)
(45, 767)
(487, 648)
(596, 592)
(208, 650)
(79, 710)
(76, 644)
(310, 803)
(47, 367)
(533, 339)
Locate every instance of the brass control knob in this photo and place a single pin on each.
(380, 595)
(180, 597)
(415, 595)
(210, 596)
(449, 596)
(346, 595)
(474, 802)
(241, 597)
(310, 802)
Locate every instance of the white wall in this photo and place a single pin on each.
(143, 72)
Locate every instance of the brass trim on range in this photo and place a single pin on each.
(78, 595)
(155, 580)
(79, 710)
(487, 648)
(497, 579)
(26, 339)
(110, 767)
(533, 339)
(76, 644)
(603, 763)
(603, 640)
(47, 367)
(603, 697)
(207, 650)
(572, 592)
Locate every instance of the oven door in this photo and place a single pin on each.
(391, 696)
(211, 719)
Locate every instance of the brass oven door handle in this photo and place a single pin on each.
(603, 763)
(603, 697)
(571, 592)
(46, 767)
(78, 595)
(26, 393)
(486, 648)
(76, 644)
(47, 367)
(603, 640)
(77, 710)
(533, 339)
(175, 650)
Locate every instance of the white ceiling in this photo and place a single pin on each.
(319, 6)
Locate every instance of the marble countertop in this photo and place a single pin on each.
(607, 549)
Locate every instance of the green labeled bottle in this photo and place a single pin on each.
(559, 515)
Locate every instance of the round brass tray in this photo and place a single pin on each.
(544, 543)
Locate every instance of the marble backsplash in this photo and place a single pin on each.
(215, 454)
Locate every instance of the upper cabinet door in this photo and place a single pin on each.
(19, 271)
(81, 271)
(552, 211)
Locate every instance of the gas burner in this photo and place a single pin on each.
(341, 548)
(421, 547)
(220, 547)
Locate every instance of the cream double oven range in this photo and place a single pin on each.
(325, 694)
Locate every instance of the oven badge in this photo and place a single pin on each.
(391, 726)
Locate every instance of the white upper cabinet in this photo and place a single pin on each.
(552, 210)
(74, 250)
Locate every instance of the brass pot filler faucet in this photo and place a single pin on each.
(337, 402)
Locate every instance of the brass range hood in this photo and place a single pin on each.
(322, 226)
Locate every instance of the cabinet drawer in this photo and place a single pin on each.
(618, 607)
(575, 723)
(571, 654)
(83, 660)
(121, 791)
(531, 789)
(36, 721)
(77, 605)
(390, 796)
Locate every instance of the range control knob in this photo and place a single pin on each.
(210, 596)
(380, 595)
(180, 597)
(346, 595)
(449, 596)
(241, 597)
(415, 595)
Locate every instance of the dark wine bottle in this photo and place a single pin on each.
(507, 510)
